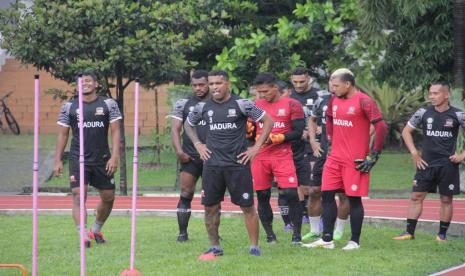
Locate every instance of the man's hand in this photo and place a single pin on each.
(305, 135)
(316, 148)
(275, 139)
(365, 165)
(247, 155)
(418, 161)
(318, 130)
(250, 130)
(58, 169)
(457, 158)
(112, 165)
(203, 151)
(183, 157)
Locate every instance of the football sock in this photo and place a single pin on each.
(340, 225)
(356, 217)
(329, 214)
(411, 225)
(183, 213)
(284, 208)
(97, 226)
(265, 213)
(443, 226)
(315, 225)
(295, 211)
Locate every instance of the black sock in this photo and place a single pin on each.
(284, 208)
(411, 225)
(443, 226)
(292, 198)
(357, 214)
(265, 213)
(184, 213)
(329, 214)
(304, 208)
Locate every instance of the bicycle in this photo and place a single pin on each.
(10, 120)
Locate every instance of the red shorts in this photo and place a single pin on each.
(282, 170)
(344, 176)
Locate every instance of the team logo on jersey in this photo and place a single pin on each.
(451, 187)
(210, 113)
(232, 113)
(429, 123)
(99, 111)
(351, 110)
(281, 112)
(245, 195)
(309, 101)
(325, 107)
(334, 110)
(72, 178)
(191, 108)
(449, 123)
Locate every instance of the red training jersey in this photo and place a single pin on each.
(351, 119)
(282, 112)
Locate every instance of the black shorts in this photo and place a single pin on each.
(317, 171)
(238, 180)
(94, 175)
(446, 178)
(193, 167)
(303, 170)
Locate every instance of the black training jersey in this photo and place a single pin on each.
(226, 127)
(98, 115)
(440, 131)
(180, 112)
(319, 112)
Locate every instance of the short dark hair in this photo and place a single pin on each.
(441, 83)
(282, 85)
(265, 78)
(87, 73)
(222, 73)
(198, 74)
(300, 71)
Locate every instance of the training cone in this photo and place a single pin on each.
(131, 272)
(207, 257)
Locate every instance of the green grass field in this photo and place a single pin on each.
(158, 254)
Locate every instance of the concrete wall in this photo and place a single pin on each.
(19, 78)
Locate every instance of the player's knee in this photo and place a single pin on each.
(185, 202)
(417, 197)
(187, 193)
(76, 199)
(328, 196)
(446, 200)
(291, 194)
(107, 196)
(264, 195)
(315, 193)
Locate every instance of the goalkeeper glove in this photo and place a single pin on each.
(365, 165)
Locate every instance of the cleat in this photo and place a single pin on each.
(211, 254)
(271, 239)
(305, 220)
(288, 228)
(441, 238)
(182, 238)
(97, 237)
(337, 236)
(320, 243)
(87, 243)
(404, 236)
(311, 236)
(255, 251)
(296, 240)
(351, 245)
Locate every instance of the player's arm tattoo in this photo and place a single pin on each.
(191, 132)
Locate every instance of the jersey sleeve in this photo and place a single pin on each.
(195, 116)
(317, 110)
(113, 108)
(415, 120)
(371, 110)
(461, 118)
(296, 110)
(63, 117)
(249, 109)
(178, 109)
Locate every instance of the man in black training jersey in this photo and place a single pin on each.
(303, 156)
(191, 164)
(226, 157)
(438, 164)
(100, 114)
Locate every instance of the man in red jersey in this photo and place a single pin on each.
(275, 158)
(347, 168)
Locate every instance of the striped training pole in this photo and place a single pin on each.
(82, 191)
(35, 176)
(135, 175)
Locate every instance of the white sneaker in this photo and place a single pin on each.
(320, 243)
(351, 245)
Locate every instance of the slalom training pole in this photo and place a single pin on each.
(132, 270)
(81, 177)
(35, 176)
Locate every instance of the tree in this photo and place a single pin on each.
(121, 40)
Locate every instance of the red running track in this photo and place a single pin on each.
(390, 208)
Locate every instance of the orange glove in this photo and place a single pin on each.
(276, 138)
(250, 129)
